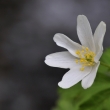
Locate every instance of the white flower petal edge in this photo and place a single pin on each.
(83, 61)
(89, 79)
(98, 39)
(85, 33)
(61, 60)
(73, 76)
(63, 41)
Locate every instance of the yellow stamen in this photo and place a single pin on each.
(86, 57)
(82, 68)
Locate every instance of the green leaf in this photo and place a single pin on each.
(102, 97)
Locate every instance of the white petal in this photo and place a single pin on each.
(85, 33)
(98, 39)
(98, 55)
(63, 41)
(61, 59)
(89, 79)
(73, 76)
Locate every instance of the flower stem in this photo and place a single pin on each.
(104, 64)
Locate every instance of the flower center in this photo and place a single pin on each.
(86, 57)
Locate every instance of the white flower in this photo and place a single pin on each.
(83, 61)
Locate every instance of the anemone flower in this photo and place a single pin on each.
(82, 60)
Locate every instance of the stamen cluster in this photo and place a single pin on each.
(86, 57)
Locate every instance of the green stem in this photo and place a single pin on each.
(104, 64)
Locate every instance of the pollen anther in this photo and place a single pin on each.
(86, 57)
